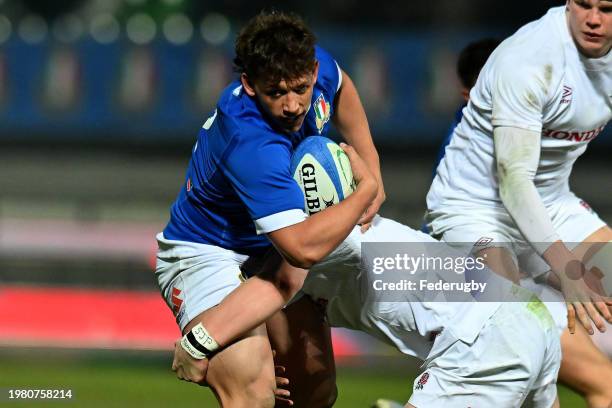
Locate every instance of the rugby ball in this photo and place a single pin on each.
(323, 172)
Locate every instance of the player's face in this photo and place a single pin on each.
(590, 22)
(286, 102)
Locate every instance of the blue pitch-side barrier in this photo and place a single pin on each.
(122, 91)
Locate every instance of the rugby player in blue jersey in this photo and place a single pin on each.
(239, 199)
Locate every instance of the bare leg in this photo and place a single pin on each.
(584, 367)
(302, 340)
(237, 384)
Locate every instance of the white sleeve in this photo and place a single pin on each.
(279, 220)
(518, 153)
(339, 77)
(519, 93)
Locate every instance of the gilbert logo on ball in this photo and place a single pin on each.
(323, 172)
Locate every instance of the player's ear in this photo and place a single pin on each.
(247, 85)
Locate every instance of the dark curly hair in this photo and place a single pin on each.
(275, 46)
(472, 58)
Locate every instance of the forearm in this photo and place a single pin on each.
(253, 302)
(517, 152)
(245, 308)
(351, 121)
(525, 206)
(311, 240)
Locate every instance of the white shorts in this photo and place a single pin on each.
(513, 362)
(194, 277)
(572, 218)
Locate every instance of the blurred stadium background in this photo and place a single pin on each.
(100, 103)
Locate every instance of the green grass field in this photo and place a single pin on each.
(131, 379)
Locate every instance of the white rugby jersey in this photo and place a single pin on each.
(535, 80)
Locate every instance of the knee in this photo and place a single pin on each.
(258, 394)
(598, 393)
(598, 401)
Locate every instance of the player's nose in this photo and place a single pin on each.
(593, 18)
(291, 106)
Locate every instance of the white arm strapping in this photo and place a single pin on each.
(518, 153)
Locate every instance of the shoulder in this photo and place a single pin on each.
(238, 114)
(533, 59)
(329, 70)
(537, 49)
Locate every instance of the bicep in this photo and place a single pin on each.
(518, 95)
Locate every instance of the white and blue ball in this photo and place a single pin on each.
(323, 172)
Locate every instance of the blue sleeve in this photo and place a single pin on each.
(258, 168)
(329, 71)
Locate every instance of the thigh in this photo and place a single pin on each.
(596, 253)
(591, 244)
(242, 374)
(301, 337)
(584, 367)
(501, 261)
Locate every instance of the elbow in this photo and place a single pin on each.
(502, 177)
(297, 247)
(291, 282)
(513, 184)
(303, 257)
(302, 260)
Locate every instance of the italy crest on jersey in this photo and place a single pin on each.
(322, 112)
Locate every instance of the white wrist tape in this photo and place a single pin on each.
(198, 343)
(205, 339)
(193, 352)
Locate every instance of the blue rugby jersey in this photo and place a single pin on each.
(238, 185)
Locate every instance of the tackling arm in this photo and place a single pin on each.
(517, 152)
(265, 294)
(306, 243)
